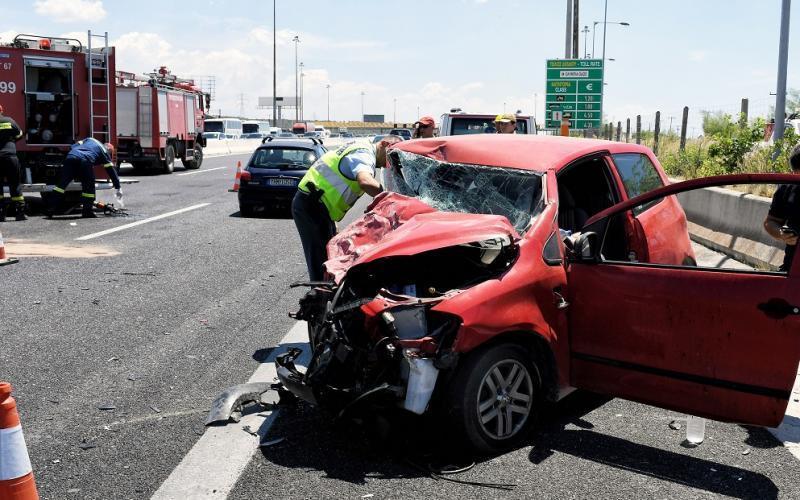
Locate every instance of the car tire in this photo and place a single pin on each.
(196, 161)
(246, 211)
(168, 163)
(494, 397)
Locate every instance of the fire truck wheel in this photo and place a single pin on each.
(195, 162)
(168, 163)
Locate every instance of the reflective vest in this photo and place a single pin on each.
(339, 193)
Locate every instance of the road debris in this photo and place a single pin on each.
(155, 409)
(107, 407)
(112, 358)
(746, 451)
(250, 430)
(675, 425)
(84, 445)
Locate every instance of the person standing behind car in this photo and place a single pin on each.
(10, 169)
(423, 129)
(329, 190)
(506, 123)
(783, 219)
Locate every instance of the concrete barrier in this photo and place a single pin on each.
(732, 222)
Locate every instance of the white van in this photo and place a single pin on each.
(228, 128)
(322, 132)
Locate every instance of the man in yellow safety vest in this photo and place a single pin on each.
(328, 190)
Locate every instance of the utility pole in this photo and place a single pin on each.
(296, 41)
(783, 56)
(362, 105)
(274, 72)
(670, 123)
(568, 37)
(576, 46)
(394, 115)
(241, 105)
(328, 87)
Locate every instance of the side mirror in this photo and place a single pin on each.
(583, 247)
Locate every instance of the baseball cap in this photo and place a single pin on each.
(505, 118)
(427, 121)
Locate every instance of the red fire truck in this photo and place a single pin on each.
(59, 91)
(159, 119)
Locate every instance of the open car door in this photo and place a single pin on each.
(718, 338)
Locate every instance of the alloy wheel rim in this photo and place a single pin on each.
(505, 399)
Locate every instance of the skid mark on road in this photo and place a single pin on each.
(140, 222)
(213, 465)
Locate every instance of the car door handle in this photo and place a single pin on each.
(778, 308)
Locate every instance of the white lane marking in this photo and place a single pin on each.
(789, 430)
(201, 171)
(220, 456)
(140, 222)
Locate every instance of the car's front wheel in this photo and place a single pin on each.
(494, 397)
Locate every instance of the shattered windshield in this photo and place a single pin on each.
(474, 189)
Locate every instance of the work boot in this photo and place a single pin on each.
(20, 212)
(88, 211)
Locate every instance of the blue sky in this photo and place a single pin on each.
(434, 55)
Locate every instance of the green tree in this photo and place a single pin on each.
(717, 124)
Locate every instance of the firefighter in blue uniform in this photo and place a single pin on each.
(10, 133)
(81, 159)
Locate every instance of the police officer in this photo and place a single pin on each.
(80, 160)
(328, 190)
(10, 133)
(783, 219)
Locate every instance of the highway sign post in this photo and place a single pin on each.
(574, 91)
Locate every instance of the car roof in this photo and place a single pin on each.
(294, 143)
(523, 151)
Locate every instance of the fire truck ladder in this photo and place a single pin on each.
(100, 108)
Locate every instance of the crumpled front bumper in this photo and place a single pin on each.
(292, 379)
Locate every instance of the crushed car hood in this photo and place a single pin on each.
(399, 225)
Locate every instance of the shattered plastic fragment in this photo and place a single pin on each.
(107, 407)
(674, 425)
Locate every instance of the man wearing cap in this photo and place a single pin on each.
(10, 133)
(80, 160)
(329, 190)
(505, 124)
(423, 129)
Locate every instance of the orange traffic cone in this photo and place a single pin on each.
(237, 179)
(3, 259)
(16, 473)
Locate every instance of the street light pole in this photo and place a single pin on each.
(394, 115)
(328, 86)
(302, 103)
(296, 41)
(362, 105)
(585, 32)
(274, 72)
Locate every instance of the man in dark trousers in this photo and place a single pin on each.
(81, 159)
(783, 220)
(328, 190)
(10, 170)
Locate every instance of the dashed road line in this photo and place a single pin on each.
(140, 222)
(201, 171)
(212, 467)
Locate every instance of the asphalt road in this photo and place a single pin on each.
(115, 359)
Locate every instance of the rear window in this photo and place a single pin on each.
(283, 158)
(213, 127)
(639, 176)
(466, 126)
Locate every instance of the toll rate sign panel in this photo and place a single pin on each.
(575, 91)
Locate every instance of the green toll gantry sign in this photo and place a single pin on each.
(574, 91)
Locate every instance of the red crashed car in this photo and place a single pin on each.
(503, 271)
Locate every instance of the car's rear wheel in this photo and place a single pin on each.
(494, 398)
